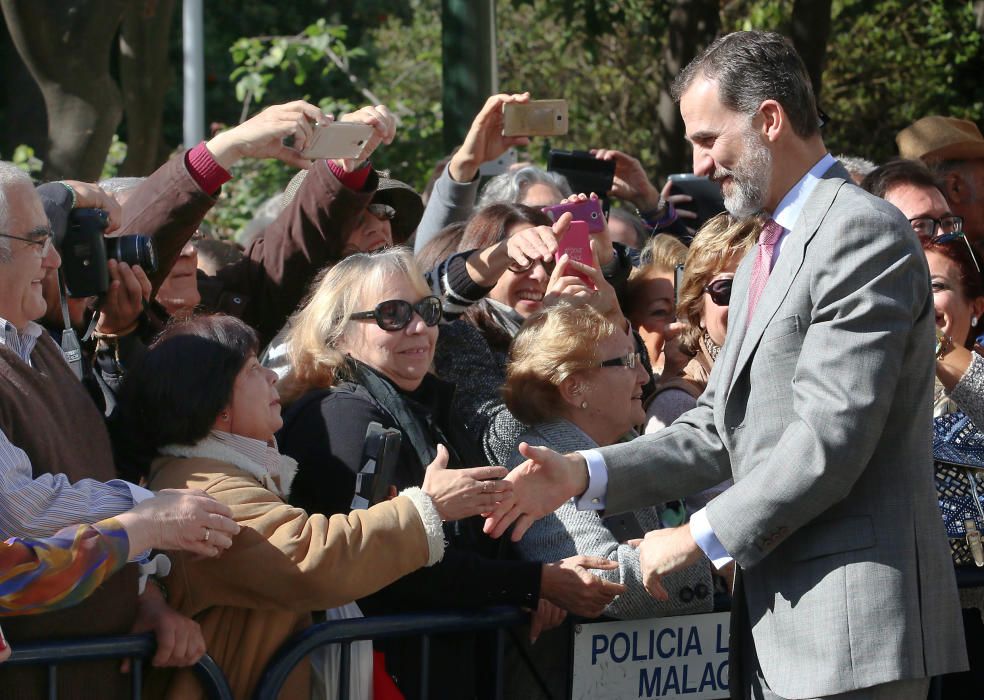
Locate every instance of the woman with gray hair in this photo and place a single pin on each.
(576, 378)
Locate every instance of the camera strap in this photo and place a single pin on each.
(69, 341)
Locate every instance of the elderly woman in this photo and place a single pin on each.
(704, 297)
(202, 403)
(360, 352)
(576, 378)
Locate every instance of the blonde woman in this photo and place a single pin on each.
(703, 309)
(360, 352)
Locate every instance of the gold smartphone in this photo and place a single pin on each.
(535, 118)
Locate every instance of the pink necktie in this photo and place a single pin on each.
(763, 263)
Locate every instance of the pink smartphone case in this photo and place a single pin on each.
(588, 211)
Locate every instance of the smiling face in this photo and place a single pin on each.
(22, 276)
(254, 408)
(954, 310)
(369, 233)
(613, 394)
(727, 149)
(652, 311)
(523, 291)
(403, 356)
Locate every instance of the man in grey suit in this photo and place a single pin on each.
(819, 407)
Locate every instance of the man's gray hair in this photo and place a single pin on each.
(750, 68)
(512, 186)
(10, 177)
(118, 185)
(857, 166)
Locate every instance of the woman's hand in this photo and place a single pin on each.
(462, 493)
(605, 253)
(180, 519)
(569, 584)
(484, 141)
(575, 280)
(179, 639)
(383, 123)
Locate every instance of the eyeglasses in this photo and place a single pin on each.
(720, 291)
(927, 226)
(548, 266)
(395, 314)
(630, 360)
(44, 240)
(384, 212)
(949, 237)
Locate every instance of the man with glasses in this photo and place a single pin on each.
(56, 462)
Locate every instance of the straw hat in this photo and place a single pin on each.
(933, 139)
(399, 195)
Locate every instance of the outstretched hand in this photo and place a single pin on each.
(569, 584)
(262, 136)
(540, 485)
(484, 141)
(462, 493)
(662, 552)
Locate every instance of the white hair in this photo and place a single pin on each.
(10, 177)
(512, 186)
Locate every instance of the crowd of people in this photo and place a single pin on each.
(648, 452)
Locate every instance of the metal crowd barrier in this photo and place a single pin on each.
(424, 625)
(135, 647)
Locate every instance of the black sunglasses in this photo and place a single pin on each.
(395, 314)
(548, 266)
(720, 291)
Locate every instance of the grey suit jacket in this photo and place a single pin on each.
(820, 408)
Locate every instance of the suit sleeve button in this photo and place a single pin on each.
(686, 594)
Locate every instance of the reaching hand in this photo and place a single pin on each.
(529, 245)
(573, 279)
(180, 519)
(603, 238)
(179, 639)
(129, 289)
(662, 552)
(262, 136)
(630, 182)
(540, 484)
(678, 201)
(462, 493)
(383, 123)
(568, 584)
(545, 618)
(484, 141)
(92, 196)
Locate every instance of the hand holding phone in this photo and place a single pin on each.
(576, 245)
(337, 140)
(586, 210)
(534, 118)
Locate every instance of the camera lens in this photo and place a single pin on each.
(133, 250)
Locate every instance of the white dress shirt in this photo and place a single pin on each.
(593, 497)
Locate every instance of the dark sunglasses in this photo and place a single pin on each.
(720, 291)
(395, 314)
(548, 266)
(629, 360)
(383, 212)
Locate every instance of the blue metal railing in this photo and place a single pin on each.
(424, 625)
(135, 647)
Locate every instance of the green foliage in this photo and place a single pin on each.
(253, 182)
(114, 159)
(25, 159)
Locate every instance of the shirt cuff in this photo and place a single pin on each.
(700, 529)
(206, 173)
(354, 180)
(593, 497)
(138, 493)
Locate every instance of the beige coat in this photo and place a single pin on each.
(282, 565)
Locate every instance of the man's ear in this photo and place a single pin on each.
(954, 187)
(571, 390)
(773, 119)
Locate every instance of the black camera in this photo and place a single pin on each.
(86, 252)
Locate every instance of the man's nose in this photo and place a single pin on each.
(703, 164)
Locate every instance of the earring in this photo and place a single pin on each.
(973, 321)
(584, 404)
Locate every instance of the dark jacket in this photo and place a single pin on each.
(324, 431)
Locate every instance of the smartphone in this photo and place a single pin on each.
(588, 211)
(338, 140)
(576, 243)
(677, 283)
(534, 118)
(708, 201)
(379, 454)
(584, 172)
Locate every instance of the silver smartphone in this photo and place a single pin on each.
(338, 140)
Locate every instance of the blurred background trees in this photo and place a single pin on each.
(106, 74)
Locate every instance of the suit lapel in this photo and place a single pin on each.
(790, 262)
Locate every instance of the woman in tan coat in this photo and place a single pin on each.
(207, 409)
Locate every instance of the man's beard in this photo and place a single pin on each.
(749, 178)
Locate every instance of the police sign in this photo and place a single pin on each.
(657, 658)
